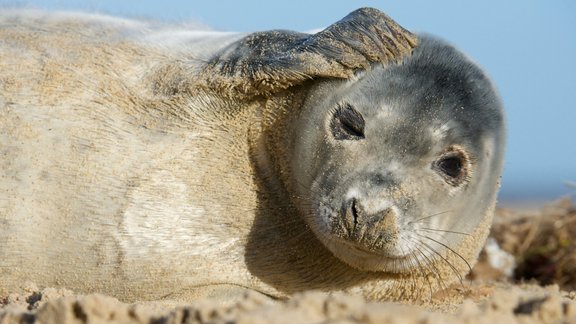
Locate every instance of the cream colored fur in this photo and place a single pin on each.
(117, 176)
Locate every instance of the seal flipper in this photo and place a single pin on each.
(267, 62)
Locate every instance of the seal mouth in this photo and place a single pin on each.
(376, 232)
(364, 259)
(361, 249)
(367, 241)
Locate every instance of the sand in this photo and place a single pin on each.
(526, 274)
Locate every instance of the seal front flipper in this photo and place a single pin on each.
(267, 62)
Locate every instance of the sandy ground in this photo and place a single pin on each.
(526, 274)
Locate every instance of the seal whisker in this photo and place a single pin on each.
(419, 268)
(430, 216)
(449, 249)
(423, 273)
(430, 262)
(456, 272)
(426, 229)
(413, 272)
(402, 266)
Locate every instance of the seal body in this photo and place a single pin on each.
(146, 161)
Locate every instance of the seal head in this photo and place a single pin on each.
(395, 167)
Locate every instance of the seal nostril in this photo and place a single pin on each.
(354, 209)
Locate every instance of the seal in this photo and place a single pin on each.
(148, 161)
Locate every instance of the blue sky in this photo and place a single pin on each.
(528, 47)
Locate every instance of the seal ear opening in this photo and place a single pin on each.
(267, 62)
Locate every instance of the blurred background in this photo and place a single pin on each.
(528, 48)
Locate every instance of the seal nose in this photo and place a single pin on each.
(370, 228)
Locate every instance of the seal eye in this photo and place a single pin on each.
(452, 166)
(347, 123)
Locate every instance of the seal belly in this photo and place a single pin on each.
(89, 202)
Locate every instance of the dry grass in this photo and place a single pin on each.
(543, 243)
